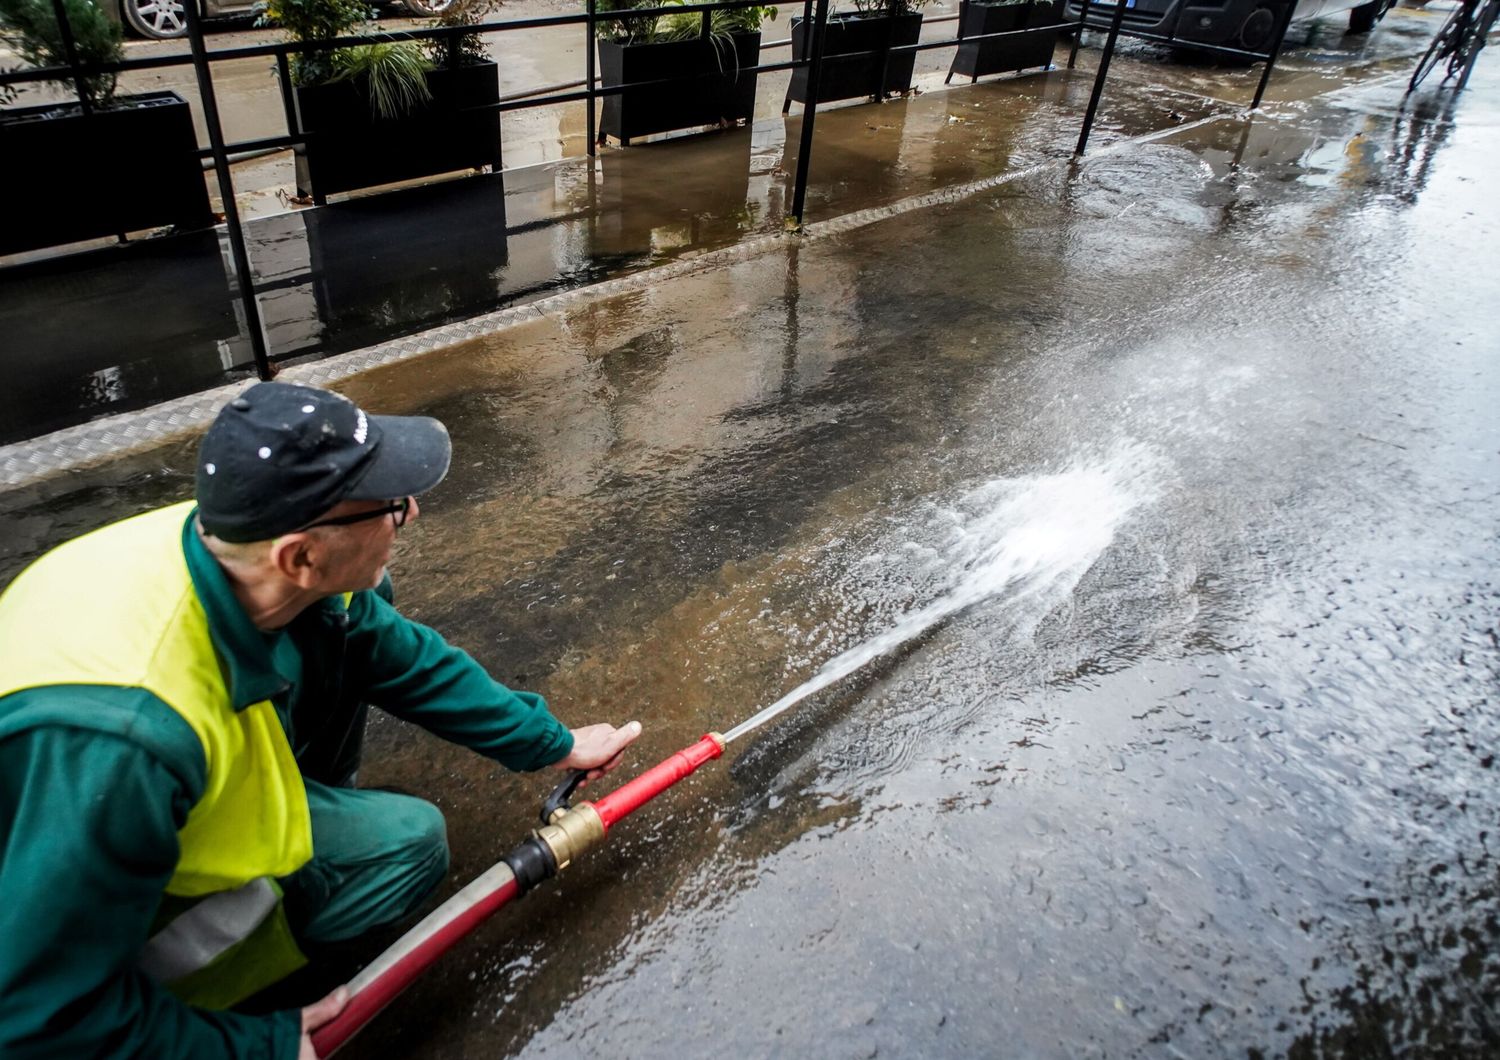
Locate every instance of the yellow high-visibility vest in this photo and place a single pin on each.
(118, 607)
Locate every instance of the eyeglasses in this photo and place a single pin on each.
(397, 510)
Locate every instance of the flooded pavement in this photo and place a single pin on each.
(1200, 435)
(122, 327)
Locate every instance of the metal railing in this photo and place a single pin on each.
(587, 91)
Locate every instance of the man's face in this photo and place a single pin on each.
(355, 555)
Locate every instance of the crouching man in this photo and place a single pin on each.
(182, 708)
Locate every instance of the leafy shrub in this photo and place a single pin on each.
(888, 7)
(470, 46)
(313, 20)
(395, 72)
(30, 26)
(649, 29)
(626, 30)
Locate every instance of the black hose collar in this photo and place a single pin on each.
(532, 862)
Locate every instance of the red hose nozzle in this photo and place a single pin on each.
(625, 800)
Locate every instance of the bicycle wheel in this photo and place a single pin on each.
(1441, 47)
(1468, 52)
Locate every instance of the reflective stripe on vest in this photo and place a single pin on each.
(202, 934)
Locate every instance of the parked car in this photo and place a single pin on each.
(166, 19)
(1247, 24)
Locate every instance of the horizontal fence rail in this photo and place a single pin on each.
(552, 95)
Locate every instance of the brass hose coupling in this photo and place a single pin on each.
(571, 831)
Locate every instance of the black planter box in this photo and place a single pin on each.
(67, 177)
(348, 148)
(712, 84)
(978, 58)
(853, 78)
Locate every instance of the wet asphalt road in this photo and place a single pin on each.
(1208, 768)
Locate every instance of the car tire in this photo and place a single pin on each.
(426, 8)
(1257, 31)
(157, 19)
(1362, 19)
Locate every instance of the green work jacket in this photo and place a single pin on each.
(91, 802)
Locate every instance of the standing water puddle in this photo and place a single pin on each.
(1180, 747)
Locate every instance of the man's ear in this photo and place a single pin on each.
(299, 558)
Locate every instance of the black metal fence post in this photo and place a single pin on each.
(885, 62)
(226, 193)
(1265, 75)
(810, 110)
(288, 103)
(1239, 150)
(1103, 72)
(588, 76)
(70, 51)
(1083, 17)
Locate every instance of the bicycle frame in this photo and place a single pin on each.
(1459, 40)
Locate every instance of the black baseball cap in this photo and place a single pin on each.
(280, 455)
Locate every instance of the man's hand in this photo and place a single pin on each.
(599, 748)
(317, 1014)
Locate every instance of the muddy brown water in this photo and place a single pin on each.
(1206, 769)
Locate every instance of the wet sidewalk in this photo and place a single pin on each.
(1208, 770)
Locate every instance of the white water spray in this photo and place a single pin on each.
(1028, 538)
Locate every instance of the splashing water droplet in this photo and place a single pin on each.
(1031, 538)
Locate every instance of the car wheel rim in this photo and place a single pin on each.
(163, 16)
(1255, 34)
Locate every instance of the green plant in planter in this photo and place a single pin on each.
(870, 8)
(626, 30)
(746, 19)
(650, 29)
(395, 71)
(721, 26)
(470, 46)
(307, 21)
(689, 24)
(30, 26)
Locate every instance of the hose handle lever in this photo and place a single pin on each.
(557, 802)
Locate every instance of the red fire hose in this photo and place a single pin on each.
(568, 831)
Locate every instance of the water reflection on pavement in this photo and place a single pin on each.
(121, 327)
(1223, 786)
